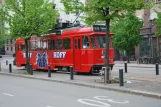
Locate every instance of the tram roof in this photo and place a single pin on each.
(80, 30)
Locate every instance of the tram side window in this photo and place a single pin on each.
(66, 43)
(39, 45)
(51, 44)
(33, 45)
(59, 44)
(44, 45)
(85, 42)
(22, 47)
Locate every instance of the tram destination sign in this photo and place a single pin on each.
(99, 28)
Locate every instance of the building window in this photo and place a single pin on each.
(7, 48)
(145, 47)
(59, 44)
(11, 48)
(7, 41)
(11, 41)
(66, 43)
(157, 1)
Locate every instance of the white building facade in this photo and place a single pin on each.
(68, 17)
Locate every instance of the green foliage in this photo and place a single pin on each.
(158, 23)
(95, 9)
(28, 17)
(126, 32)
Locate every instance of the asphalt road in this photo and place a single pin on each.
(23, 92)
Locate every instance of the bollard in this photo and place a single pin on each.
(31, 71)
(14, 62)
(157, 69)
(6, 62)
(49, 71)
(125, 67)
(121, 77)
(105, 74)
(10, 68)
(71, 73)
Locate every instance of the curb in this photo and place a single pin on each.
(135, 92)
(135, 66)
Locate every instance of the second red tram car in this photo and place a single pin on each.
(80, 47)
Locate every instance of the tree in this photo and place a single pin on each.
(103, 10)
(157, 22)
(127, 32)
(27, 18)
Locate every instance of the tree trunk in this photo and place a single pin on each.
(107, 47)
(27, 55)
(128, 56)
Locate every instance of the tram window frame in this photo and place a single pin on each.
(68, 42)
(93, 41)
(75, 44)
(79, 44)
(85, 42)
(58, 46)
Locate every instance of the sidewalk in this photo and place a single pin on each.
(134, 64)
(138, 83)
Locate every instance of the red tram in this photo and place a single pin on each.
(80, 47)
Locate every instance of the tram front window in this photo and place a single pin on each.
(100, 41)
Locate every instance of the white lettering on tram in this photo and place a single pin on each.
(29, 54)
(59, 54)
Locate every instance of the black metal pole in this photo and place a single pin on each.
(10, 68)
(6, 62)
(157, 69)
(125, 67)
(121, 77)
(31, 71)
(49, 71)
(71, 73)
(0, 66)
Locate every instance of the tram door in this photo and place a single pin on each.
(77, 54)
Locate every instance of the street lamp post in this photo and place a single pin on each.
(150, 36)
(106, 64)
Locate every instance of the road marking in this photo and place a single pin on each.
(99, 103)
(8, 94)
(48, 106)
(113, 101)
(101, 97)
(105, 98)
